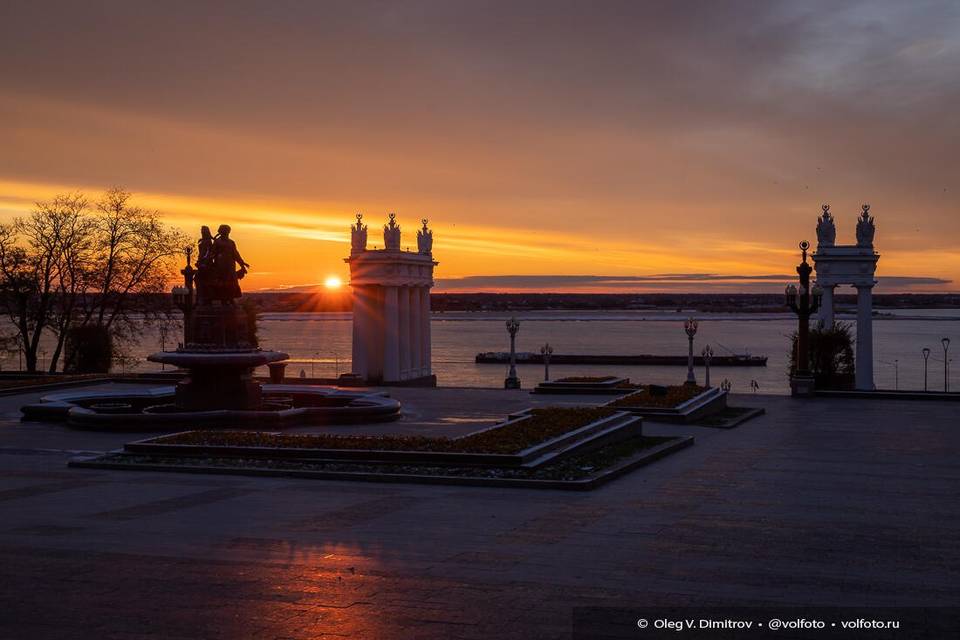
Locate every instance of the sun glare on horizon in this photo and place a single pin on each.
(333, 283)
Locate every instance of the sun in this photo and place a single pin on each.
(333, 282)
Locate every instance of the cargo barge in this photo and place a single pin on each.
(528, 357)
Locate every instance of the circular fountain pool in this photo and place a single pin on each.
(155, 408)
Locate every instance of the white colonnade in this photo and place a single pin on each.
(391, 306)
(853, 265)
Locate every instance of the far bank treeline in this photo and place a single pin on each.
(87, 274)
(322, 300)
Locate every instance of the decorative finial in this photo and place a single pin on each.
(865, 227)
(391, 234)
(425, 239)
(358, 236)
(826, 228)
(804, 245)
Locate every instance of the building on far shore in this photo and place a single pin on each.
(391, 306)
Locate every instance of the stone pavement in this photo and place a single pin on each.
(822, 502)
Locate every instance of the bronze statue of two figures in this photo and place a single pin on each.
(224, 326)
(217, 277)
(220, 351)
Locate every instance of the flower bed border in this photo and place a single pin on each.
(619, 426)
(700, 406)
(596, 387)
(642, 458)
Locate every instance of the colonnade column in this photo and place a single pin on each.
(391, 334)
(826, 306)
(403, 294)
(864, 362)
(413, 339)
(361, 302)
(425, 332)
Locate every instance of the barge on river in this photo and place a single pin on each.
(528, 357)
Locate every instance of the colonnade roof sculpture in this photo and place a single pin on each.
(391, 236)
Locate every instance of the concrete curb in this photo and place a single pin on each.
(643, 458)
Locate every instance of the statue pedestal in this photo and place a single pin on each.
(219, 327)
(802, 386)
(220, 361)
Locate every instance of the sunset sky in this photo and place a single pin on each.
(616, 140)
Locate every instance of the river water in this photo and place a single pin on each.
(320, 339)
(319, 345)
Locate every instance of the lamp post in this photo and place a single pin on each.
(707, 354)
(690, 326)
(946, 364)
(546, 351)
(926, 357)
(804, 303)
(183, 296)
(512, 381)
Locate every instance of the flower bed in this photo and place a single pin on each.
(511, 438)
(581, 471)
(674, 396)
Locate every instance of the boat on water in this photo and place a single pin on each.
(528, 357)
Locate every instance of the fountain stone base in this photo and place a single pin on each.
(220, 359)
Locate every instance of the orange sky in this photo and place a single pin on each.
(606, 139)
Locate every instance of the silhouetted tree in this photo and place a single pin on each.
(40, 259)
(133, 260)
(65, 268)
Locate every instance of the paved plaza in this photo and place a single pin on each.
(818, 502)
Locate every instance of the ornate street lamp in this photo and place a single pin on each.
(707, 354)
(926, 357)
(546, 351)
(946, 364)
(804, 302)
(183, 296)
(690, 326)
(512, 381)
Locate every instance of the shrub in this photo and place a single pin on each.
(830, 354)
(251, 312)
(89, 349)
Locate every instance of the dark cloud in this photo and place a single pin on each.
(670, 122)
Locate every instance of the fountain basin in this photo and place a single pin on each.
(155, 408)
(239, 359)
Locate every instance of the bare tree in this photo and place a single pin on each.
(65, 268)
(34, 256)
(134, 254)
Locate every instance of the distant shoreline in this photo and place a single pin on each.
(738, 303)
